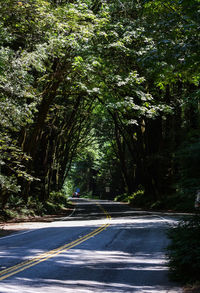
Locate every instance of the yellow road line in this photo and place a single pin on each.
(4, 274)
(105, 212)
(51, 252)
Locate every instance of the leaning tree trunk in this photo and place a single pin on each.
(32, 142)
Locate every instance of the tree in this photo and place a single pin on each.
(120, 75)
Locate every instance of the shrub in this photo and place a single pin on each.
(58, 197)
(122, 197)
(132, 199)
(14, 201)
(138, 199)
(184, 250)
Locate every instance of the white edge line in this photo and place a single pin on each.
(61, 219)
(32, 230)
(168, 220)
(18, 234)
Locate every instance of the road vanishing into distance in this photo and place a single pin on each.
(103, 246)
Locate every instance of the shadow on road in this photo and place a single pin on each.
(127, 257)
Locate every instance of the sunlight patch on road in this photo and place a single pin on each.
(81, 286)
(117, 260)
(15, 269)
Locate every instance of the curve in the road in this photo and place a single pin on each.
(4, 274)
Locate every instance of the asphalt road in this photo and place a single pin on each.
(103, 247)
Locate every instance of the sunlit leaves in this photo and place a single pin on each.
(174, 26)
(65, 56)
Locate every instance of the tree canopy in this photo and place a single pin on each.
(99, 94)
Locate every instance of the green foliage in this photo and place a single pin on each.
(135, 199)
(56, 203)
(99, 94)
(184, 250)
(14, 201)
(30, 53)
(174, 26)
(122, 197)
(138, 199)
(58, 197)
(17, 209)
(9, 183)
(188, 158)
(68, 187)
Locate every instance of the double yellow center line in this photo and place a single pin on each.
(4, 274)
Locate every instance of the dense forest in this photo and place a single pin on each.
(100, 95)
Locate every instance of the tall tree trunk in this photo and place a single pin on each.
(122, 160)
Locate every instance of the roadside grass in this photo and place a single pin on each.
(183, 253)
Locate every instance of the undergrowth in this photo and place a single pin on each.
(184, 250)
(173, 202)
(17, 208)
(130, 198)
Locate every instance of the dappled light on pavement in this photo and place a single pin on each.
(128, 256)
